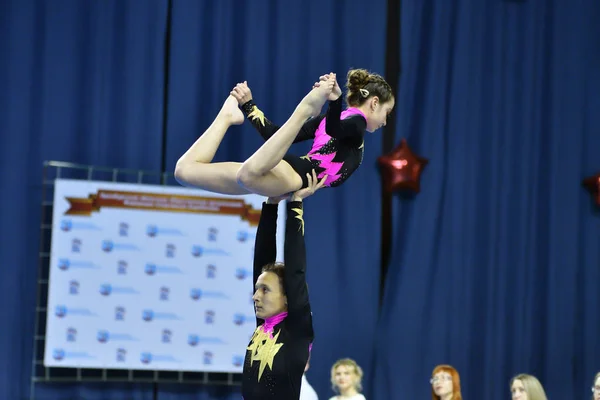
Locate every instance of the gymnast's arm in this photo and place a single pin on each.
(353, 127)
(262, 124)
(299, 310)
(266, 128)
(265, 246)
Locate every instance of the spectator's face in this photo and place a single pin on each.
(518, 390)
(442, 383)
(345, 377)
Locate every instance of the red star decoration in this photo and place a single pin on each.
(401, 168)
(592, 184)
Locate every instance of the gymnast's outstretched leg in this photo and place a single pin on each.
(195, 169)
(269, 157)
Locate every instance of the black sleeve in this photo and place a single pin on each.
(353, 127)
(299, 311)
(265, 245)
(266, 128)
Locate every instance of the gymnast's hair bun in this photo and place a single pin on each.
(357, 79)
(362, 85)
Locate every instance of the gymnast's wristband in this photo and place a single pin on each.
(295, 204)
(248, 107)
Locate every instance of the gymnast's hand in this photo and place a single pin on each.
(336, 92)
(242, 93)
(314, 184)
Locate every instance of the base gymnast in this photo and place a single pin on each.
(278, 351)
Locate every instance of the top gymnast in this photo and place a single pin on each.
(337, 149)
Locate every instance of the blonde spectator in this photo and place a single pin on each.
(526, 387)
(346, 379)
(596, 387)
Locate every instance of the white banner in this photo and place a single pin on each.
(151, 277)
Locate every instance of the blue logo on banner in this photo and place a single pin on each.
(103, 336)
(66, 225)
(166, 335)
(237, 361)
(207, 358)
(73, 287)
(197, 293)
(149, 315)
(212, 234)
(119, 313)
(61, 311)
(109, 245)
(170, 251)
(211, 271)
(71, 335)
(153, 231)
(123, 229)
(64, 264)
(121, 355)
(209, 317)
(164, 293)
(193, 339)
(60, 354)
(244, 236)
(147, 358)
(152, 269)
(106, 289)
(122, 267)
(242, 273)
(240, 319)
(198, 251)
(76, 245)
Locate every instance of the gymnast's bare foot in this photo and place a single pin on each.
(230, 112)
(311, 104)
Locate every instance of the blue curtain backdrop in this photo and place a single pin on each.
(87, 82)
(495, 266)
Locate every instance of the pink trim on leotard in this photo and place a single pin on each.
(270, 323)
(331, 168)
